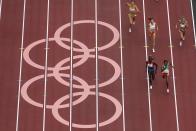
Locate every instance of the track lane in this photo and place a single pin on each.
(84, 113)
(56, 53)
(161, 102)
(10, 34)
(35, 29)
(136, 96)
(106, 108)
(185, 64)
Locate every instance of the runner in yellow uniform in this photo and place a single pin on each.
(133, 10)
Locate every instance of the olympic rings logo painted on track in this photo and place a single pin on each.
(60, 77)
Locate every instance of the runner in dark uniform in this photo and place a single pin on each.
(152, 69)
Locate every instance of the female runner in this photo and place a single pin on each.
(152, 30)
(133, 10)
(165, 73)
(151, 67)
(182, 26)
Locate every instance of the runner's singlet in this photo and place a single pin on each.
(182, 26)
(165, 68)
(150, 67)
(132, 9)
(152, 26)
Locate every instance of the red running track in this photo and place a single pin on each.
(137, 117)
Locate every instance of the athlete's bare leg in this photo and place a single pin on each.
(150, 79)
(131, 22)
(167, 83)
(182, 37)
(153, 42)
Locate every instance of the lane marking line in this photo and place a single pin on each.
(71, 70)
(46, 66)
(97, 75)
(20, 68)
(121, 46)
(173, 71)
(193, 21)
(149, 98)
(1, 2)
(171, 46)
(122, 69)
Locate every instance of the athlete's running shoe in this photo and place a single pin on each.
(180, 43)
(167, 90)
(130, 29)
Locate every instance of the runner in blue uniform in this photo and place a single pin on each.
(151, 67)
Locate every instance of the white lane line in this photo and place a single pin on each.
(122, 69)
(20, 70)
(172, 61)
(193, 21)
(46, 67)
(1, 2)
(149, 98)
(97, 73)
(71, 70)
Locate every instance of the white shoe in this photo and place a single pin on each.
(180, 43)
(150, 86)
(130, 29)
(153, 50)
(167, 90)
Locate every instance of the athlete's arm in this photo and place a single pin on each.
(162, 68)
(156, 67)
(170, 64)
(146, 65)
(187, 25)
(177, 25)
(128, 4)
(148, 28)
(137, 9)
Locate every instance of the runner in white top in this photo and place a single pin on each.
(152, 26)
(152, 29)
(133, 10)
(182, 26)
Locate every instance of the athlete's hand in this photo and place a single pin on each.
(176, 26)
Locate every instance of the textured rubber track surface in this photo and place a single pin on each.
(136, 109)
